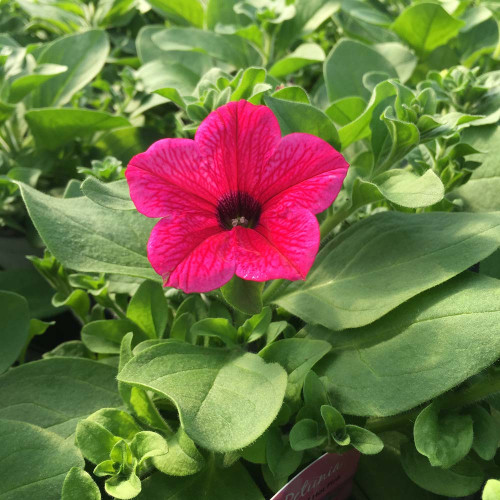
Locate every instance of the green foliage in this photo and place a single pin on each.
(389, 346)
(78, 484)
(383, 261)
(438, 358)
(36, 460)
(231, 387)
(15, 327)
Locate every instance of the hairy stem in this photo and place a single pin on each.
(271, 290)
(335, 219)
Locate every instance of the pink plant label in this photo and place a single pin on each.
(330, 476)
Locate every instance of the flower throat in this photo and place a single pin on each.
(238, 208)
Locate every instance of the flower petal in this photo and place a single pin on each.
(304, 171)
(167, 179)
(236, 141)
(192, 253)
(283, 245)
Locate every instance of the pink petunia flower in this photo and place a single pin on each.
(238, 199)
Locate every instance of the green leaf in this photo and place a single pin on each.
(401, 57)
(181, 327)
(346, 109)
(14, 327)
(281, 458)
(480, 193)
(364, 440)
(220, 328)
(148, 309)
(309, 15)
(386, 259)
(464, 478)
(426, 26)
(305, 435)
(78, 485)
(383, 475)
(55, 16)
(443, 438)
(170, 80)
(185, 12)
(256, 327)
(297, 357)
(56, 127)
(360, 127)
(228, 48)
(182, 459)
(391, 139)
(114, 13)
(225, 399)
(303, 55)
(25, 82)
(424, 341)
(401, 187)
(491, 490)
(137, 399)
(333, 419)
(215, 483)
(345, 66)
(78, 300)
(34, 462)
(249, 79)
(94, 441)
(123, 143)
(256, 452)
(315, 395)
(243, 295)
(114, 195)
(105, 336)
(147, 444)
(302, 117)
(295, 94)
(479, 35)
(84, 54)
(89, 238)
(105, 468)
(56, 393)
(71, 349)
(123, 486)
(486, 434)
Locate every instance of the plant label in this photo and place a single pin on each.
(330, 476)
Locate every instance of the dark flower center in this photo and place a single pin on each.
(238, 209)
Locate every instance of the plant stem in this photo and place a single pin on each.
(271, 290)
(465, 396)
(335, 219)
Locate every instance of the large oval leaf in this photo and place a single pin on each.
(422, 349)
(34, 461)
(345, 66)
(386, 259)
(226, 399)
(426, 26)
(87, 237)
(56, 393)
(84, 54)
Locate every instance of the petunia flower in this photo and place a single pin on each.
(238, 199)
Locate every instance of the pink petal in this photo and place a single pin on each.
(192, 253)
(283, 245)
(236, 141)
(304, 171)
(168, 179)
